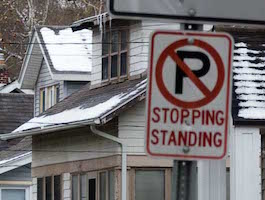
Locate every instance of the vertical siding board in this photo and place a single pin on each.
(245, 165)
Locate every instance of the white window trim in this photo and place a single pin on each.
(27, 191)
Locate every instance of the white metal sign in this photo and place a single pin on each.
(224, 11)
(189, 94)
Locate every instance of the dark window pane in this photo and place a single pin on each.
(48, 181)
(123, 63)
(83, 187)
(114, 66)
(149, 185)
(43, 100)
(105, 44)
(57, 187)
(92, 189)
(123, 40)
(105, 68)
(40, 189)
(102, 186)
(13, 194)
(114, 41)
(111, 186)
(57, 94)
(74, 187)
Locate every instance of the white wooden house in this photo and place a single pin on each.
(91, 144)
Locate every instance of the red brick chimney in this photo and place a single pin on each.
(4, 76)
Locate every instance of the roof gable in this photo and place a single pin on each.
(67, 54)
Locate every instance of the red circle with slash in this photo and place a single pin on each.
(208, 95)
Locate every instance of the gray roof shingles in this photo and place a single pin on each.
(15, 109)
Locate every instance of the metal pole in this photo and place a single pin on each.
(184, 178)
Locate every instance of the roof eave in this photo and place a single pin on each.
(48, 129)
(249, 122)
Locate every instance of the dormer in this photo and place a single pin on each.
(57, 63)
(120, 47)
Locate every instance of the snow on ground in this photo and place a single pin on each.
(80, 113)
(68, 50)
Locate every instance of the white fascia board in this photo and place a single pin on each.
(27, 58)
(49, 129)
(45, 57)
(13, 164)
(102, 118)
(72, 77)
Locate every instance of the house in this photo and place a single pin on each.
(15, 155)
(90, 145)
(247, 138)
(52, 73)
(50, 67)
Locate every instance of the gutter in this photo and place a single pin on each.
(124, 158)
(44, 130)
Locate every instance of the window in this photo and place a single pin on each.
(114, 54)
(49, 188)
(13, 194)
(83, 187)
(106, 185)
(149, 184)
(49, 97)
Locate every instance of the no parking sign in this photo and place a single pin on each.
(189, 94)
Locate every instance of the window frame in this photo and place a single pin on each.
(26, 189)
(167, 181)
(52, 186)
(110, 54)
(50, 97)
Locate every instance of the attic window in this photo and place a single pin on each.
(49, 96)
(114, 55)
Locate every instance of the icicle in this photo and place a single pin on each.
(100, 26)
(110, 20)
(104, 23)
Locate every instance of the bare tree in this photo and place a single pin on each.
(18, 18)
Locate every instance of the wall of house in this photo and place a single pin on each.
(73, 86)
(139, 43)
(69, 146)
(20, 174)
(245, 179)
(138, 48)
(132, 128)
(45, 80)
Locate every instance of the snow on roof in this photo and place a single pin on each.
(82, 113)
(249, 79)
(68, 50)
(14, 158)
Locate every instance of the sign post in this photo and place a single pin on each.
(189, 95)
(191, 11)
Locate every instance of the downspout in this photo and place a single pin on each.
(123, 158)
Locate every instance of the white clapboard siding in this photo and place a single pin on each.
(132, 128)
(45, 80)
(96, 58)
(71, 146)
(245, 164)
